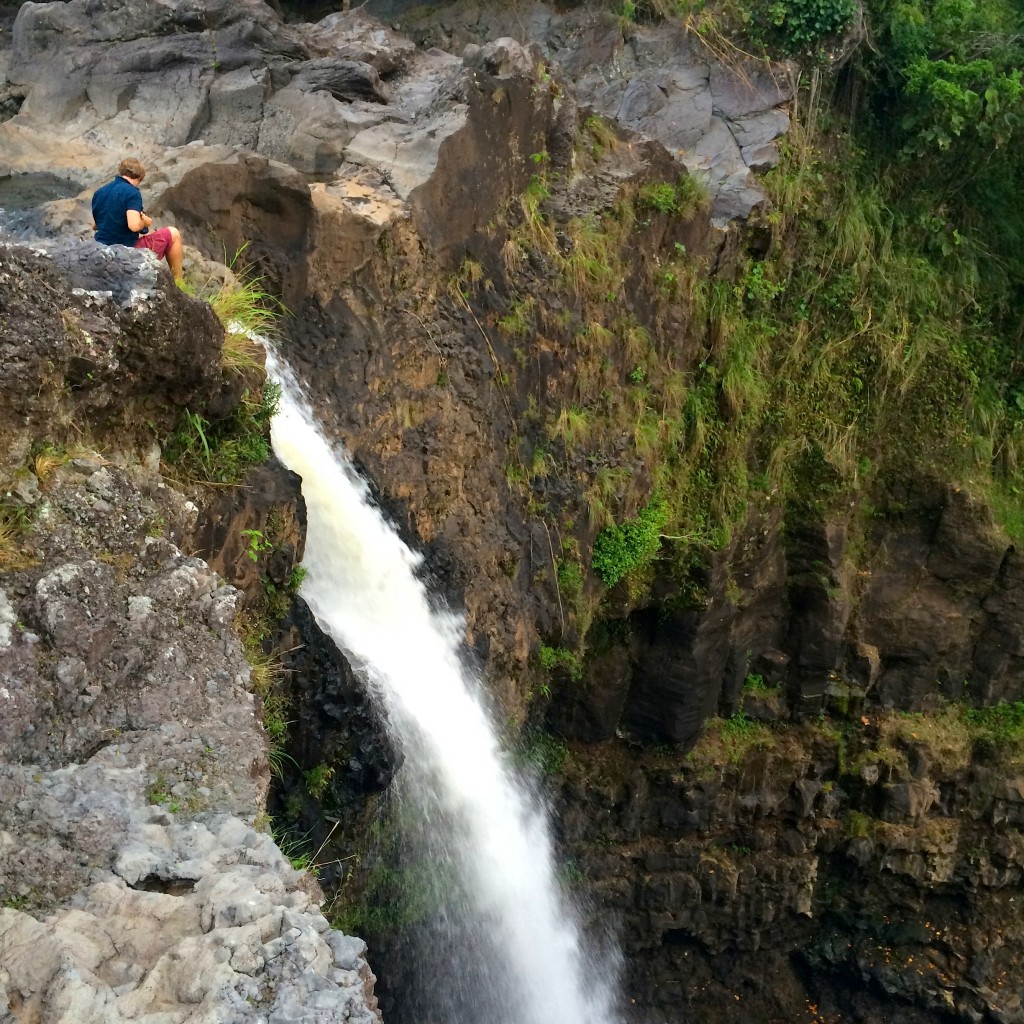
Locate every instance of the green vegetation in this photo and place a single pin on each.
(391, 888)
(256, 627)
(728, 741)
(256, 544)
(600, 134)
(858, 825)
(570, 580)
(519, 321)
(630, 545)
(682, 199)
(15, 523)
(393, 898)
(297, 849)
(318, 779)
(554, 659)
(1001, 725)
(755, 684)
(222, 451)
(872, 331)
(543, 752)
(951, 737)
(797, 26)
(245, 309)
(159, 793)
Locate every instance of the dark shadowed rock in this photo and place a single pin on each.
(343, 79)
(269, 501)
(250, 201)
(999, 653)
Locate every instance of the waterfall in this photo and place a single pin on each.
(506, 948)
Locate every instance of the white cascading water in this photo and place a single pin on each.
(361, 586)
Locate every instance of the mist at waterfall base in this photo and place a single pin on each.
(498, 942)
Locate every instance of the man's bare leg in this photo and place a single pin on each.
(175, 253)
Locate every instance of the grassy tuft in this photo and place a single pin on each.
(15, 524)
(246, 310)
(221, 452)
(728, 741)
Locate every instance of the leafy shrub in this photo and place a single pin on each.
(627, 546)
(1000, 724)
(801, 24)
(318, 779)
(945, 110)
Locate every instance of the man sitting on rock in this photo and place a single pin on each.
(117, 218)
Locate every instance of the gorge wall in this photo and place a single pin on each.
(509, 241)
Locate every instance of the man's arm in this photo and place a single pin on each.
(137, 220)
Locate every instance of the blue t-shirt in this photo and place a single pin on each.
(110, 206)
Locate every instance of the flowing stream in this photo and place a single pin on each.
(504, 946)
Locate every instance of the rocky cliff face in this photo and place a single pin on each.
(133, 763)
(473, 255)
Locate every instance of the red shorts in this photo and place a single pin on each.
(158, 241)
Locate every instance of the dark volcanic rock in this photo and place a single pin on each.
(133, 764)
(94, 334)
(268, 504)
(248, 202)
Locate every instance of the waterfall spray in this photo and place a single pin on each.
(510, 950)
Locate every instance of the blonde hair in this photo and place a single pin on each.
(131, 168)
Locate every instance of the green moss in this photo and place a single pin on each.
(728, 741)
(1007, 503)
(858, 825)
(570, 580)
(755, 684)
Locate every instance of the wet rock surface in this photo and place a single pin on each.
(815, 875)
